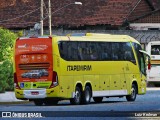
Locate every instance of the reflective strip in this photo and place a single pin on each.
(106, 93)
(109, 93)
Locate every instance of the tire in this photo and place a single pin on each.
(133, 95)
(38, 102)
(86, 96)
(98, 99)
(50, 102)
(77, 98)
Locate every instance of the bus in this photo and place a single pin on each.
(153, 72)
(78, 68)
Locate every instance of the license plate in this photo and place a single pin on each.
(35, 93)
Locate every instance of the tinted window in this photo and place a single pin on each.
(155, 49)
(117, 51)
(84, 51)
(95, 51)
(128, 52)
(105, 50)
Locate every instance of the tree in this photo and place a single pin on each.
(7, 39)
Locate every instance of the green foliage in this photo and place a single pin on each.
(3, 78)
(6, 76)
(7, 39)
(19, 33)
(9, 75)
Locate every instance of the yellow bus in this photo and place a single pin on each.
(78, 68)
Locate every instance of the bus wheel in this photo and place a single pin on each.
(49, 102)
(133, 95)
(98, 99)
(86, 96)
(38, 102)
(77, 98)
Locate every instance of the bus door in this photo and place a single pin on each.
(142, 67)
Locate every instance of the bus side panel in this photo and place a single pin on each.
(104, 82)
(66, 85)
(116, 74)
(131, 74)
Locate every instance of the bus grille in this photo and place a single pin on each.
(33, 66)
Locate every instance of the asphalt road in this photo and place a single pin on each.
(148, 104)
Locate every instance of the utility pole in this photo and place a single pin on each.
(41, 17)
(49, 15)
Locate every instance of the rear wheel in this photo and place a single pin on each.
(133, 95)
(98, 99)
(86, 97)
(77, 98)
(38, 102)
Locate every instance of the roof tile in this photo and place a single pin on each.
(113, 12)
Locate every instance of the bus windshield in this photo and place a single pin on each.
(155, 49)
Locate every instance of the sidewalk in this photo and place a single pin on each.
(10, 96)
(153, 88)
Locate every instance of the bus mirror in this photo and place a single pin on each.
(149, 58)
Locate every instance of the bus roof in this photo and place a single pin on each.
(98, 37)
(31, 37)
(89, 37)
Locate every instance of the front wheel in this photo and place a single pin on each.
(133, 95)
(86, 97)
(77, 98)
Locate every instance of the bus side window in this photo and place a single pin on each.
(63, 49)
(105, 51)
(115, 51)
(155, 50)
(83, 51)
(73, 54)
(127, 55)
(128, 52)
(93, 51)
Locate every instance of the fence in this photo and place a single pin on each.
(143, 36)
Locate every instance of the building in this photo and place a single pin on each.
(103, 16)
(97, 15)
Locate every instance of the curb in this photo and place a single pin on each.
(15, 102)
(153, 88)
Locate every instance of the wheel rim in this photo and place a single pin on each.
(77, 96)
(87, 95)
(133, 93)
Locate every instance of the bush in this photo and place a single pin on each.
(9, 74)
(3, 78)
(7, 39)
(6, 76)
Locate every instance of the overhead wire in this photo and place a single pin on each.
(26, 15)
(20, 16)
